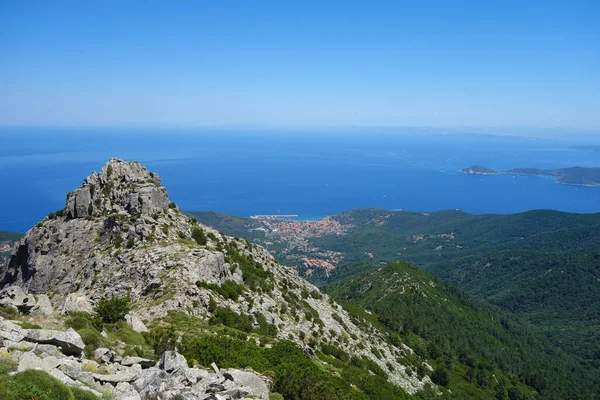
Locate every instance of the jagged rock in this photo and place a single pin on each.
(30, 361)
(135, 322)
(43, 350)
(251, 381)
(42, 306)
(125, 391)
(150, 380)
(14, 296)
(76, 302)
(172, 361)
(10, 331)
(125, 376)
(62, 377)
(104, 355)
(69, 341)
(143, 362)
(119, 187)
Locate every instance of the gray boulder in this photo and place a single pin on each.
(69, 341)
(104, 355)
(42, 306)
(150, 380)
(143, 362)
(30, 361)
(14, 296)
(249, 381)
(76, 302)
(172, 361)
(10, 331)
(135, 322)
(123, 376)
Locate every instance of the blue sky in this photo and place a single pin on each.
(225, 63)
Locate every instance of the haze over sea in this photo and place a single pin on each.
(311, 174)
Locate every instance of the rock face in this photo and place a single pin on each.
(69, 341)
(119, 187)
(120, 236)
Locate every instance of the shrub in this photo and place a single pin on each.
(114, 309)
(199, 236)
(440, 377)
(7, 363)
(227, 317)
(83, 320)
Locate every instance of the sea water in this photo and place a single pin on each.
(312, 174)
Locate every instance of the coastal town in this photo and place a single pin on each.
(290, 239)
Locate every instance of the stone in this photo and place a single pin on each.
(135, 322)
(251, 381)
(11, 331)
(14, 296)
(42, 306)
(171, 361)
(69, 341)
(125, 376)
(104, 355)
(143, 362)
(48, 349)
(150, 380)
(58, 374)
(77, 302)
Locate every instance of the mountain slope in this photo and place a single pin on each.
(541, 265)
(481, 351)
(121, 236)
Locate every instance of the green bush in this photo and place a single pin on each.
(83, 320)
(199, 236)
(440, 377)
(227, 317)
(114, 309)
(229, 289)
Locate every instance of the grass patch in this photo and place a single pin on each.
(38, 385)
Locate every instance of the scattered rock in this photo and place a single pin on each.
(42, 306)
(14, 296)
(104, 355)
(128, 376)
(69, 341)
(135, 322)
(172, 361)
(11, 331)
(143, 362)
(250, 380)
(77, 302)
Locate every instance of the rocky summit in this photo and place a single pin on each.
(120, 236)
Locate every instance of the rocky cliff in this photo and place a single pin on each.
(119, 235)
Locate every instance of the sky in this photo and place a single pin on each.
(283, 63)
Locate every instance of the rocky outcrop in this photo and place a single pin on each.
(120, 187)
(69, 341)
(120, 236)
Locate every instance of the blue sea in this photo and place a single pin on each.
(311, 173)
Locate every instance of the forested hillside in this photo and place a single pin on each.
(478, 351)
(541, 265)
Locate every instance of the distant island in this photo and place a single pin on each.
(586, 148)
(578, 176)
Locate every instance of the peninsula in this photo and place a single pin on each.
(578, 176)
